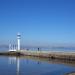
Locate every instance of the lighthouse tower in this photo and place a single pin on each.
(18, 41)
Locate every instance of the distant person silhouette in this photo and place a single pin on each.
(38, 49)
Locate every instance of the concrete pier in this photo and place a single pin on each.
(50, 54)
(43, 54)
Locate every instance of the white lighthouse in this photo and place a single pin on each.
(18, 41)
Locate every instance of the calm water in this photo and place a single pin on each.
(33, 66)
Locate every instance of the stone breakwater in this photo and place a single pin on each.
(50, 54)
(10, 53)
(45, 54)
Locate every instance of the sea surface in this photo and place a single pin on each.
(27, 65)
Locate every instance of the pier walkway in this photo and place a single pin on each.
(44, 54)
(50, 54)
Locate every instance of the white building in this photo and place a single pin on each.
(15, 47)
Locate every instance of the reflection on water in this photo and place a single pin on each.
(18, 66)
(34, 66)
(14, 60)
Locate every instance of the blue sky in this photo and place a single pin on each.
(40, 22)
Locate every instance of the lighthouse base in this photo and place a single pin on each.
(12, 50)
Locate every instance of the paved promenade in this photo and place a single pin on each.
(50, 54)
